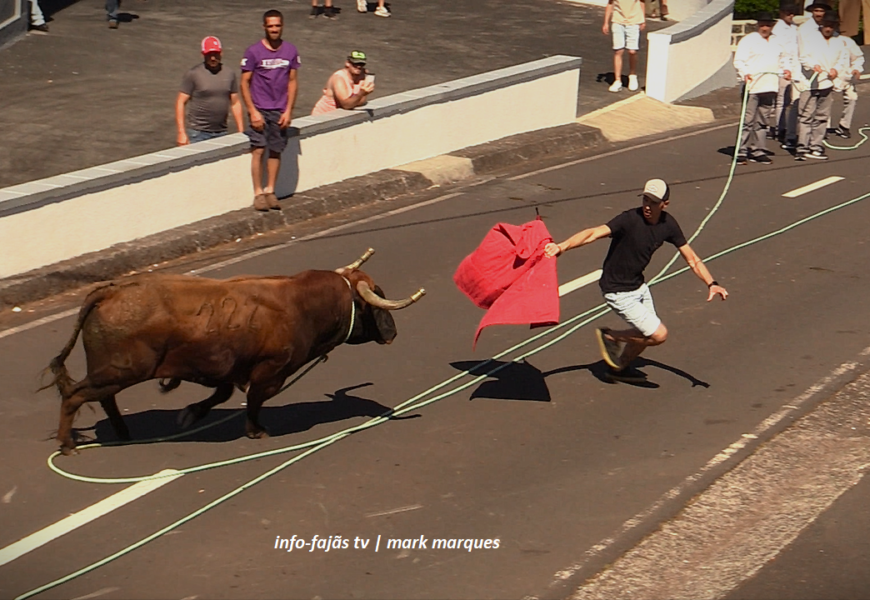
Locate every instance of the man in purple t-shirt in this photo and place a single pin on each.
(269, 91)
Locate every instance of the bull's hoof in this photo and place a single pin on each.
(256, 434)
(190, 415)
(68, 450)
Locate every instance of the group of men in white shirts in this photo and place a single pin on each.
(792, 75)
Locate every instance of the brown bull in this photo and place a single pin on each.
(245, 332)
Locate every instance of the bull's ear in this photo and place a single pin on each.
(384, 320)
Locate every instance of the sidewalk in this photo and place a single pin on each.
(84, 95)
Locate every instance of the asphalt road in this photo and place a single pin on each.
(545, 456)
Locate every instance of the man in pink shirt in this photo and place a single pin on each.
(347, 88)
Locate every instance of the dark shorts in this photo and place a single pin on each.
(272, 137)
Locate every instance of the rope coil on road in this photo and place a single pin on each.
(573, 324)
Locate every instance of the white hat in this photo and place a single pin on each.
(657, 190)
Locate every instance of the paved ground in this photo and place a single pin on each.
(85, 95)
(545, 456)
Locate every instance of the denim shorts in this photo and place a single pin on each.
(195, 135)
(272, 137)
(636, 307)
(625, 36)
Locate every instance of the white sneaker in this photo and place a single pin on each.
(632, 83)
(615, 86)
(382, 11)
(362, 6)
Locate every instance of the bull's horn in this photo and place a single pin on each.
(358, 262)
(372, 298)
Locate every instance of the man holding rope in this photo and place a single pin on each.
(635, 235)
(759, 59)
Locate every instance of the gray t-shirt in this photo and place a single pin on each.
(209, 97)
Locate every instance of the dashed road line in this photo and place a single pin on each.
(85, 516)
(576, 284)
(812, 187)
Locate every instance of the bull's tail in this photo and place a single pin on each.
(63, 381)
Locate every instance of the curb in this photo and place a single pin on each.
(368, 189)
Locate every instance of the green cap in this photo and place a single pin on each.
(357, 56)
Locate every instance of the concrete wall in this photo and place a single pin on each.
(51, 220)
(693, 56)
(14, 19)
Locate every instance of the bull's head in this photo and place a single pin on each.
(374, 323)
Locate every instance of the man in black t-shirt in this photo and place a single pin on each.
(636, 234)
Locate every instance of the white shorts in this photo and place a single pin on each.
(637, 308)
(625, 36)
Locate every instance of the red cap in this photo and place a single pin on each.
(210, 44)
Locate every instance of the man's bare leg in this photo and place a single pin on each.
(273, 165)
(632, 62)
(257, 169)
(636, 342)
(617, 65)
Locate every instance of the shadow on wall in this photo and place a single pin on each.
(288, 176)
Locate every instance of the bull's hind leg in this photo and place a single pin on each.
(194, 412)
(257, 394)
(71, 405)
(111, 407)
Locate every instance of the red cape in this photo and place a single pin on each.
(509, 275)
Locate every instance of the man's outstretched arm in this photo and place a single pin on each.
(700, 269)
(587, 236)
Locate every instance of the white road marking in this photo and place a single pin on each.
(395, 510)
(84, 516)
(812, 187)
(98, 593)
(576, 284)
(38, 322)
(785, 412)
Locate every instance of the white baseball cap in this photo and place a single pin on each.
(657, 190)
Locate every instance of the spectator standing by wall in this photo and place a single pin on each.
(785, 34)
(381, 11)
(37, 19)
(850, 16)
(624, 19)
(212, 92)
(347, 88)
(823, 57)
(328, 10)
(269, 89)
(112, 7)
(758, 59)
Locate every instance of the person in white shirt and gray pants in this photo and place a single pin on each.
(759, 59)
(785, 33)
(823, 57)
(844, 84)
